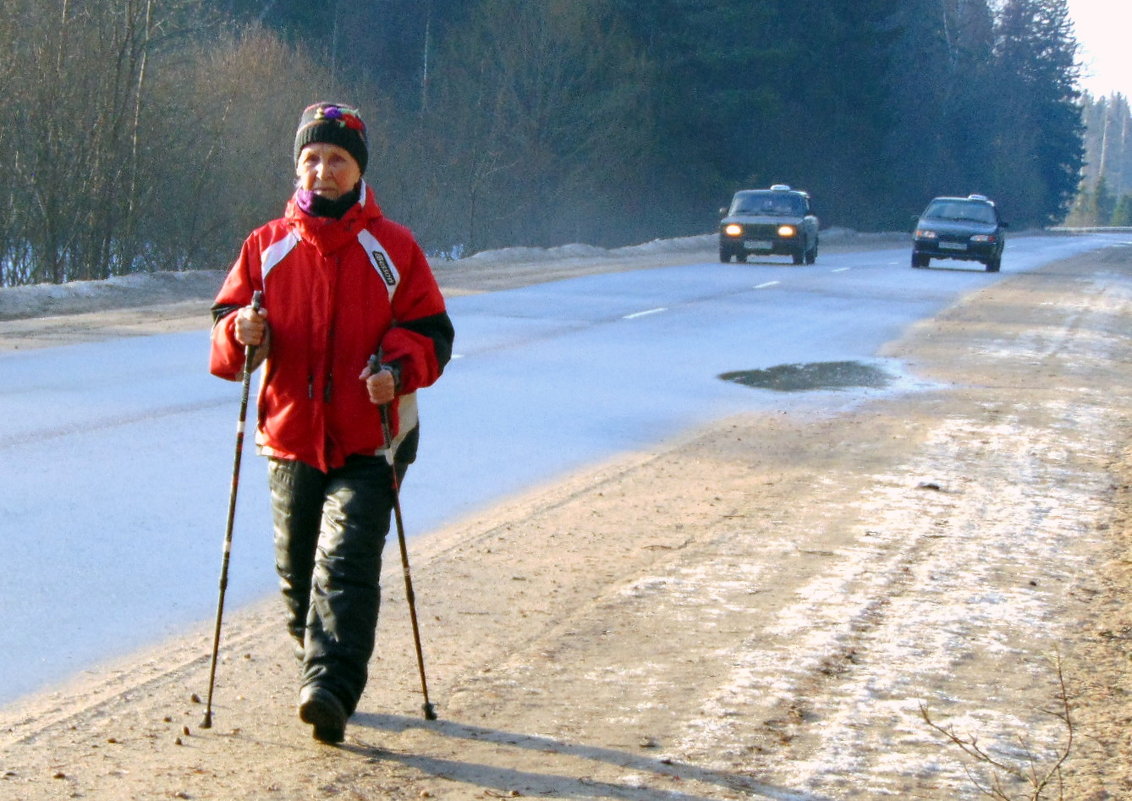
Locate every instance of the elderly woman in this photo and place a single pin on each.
(341, 283)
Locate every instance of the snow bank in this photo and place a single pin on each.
(139, 289)
(121, 291)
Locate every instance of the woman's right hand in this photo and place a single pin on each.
(251, 326)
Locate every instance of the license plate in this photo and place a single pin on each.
(758, 244)
(952, 246)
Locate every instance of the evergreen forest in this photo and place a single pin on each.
(1105, 196)
(147, 135)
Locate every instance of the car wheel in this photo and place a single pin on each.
(741, 256)
(994, 264)
(812, 253)
(799, 256)
(724, 255)
(920, 260)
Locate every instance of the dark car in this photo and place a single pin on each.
(762, 222)
(966, 228)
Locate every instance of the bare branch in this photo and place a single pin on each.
(1040, 780)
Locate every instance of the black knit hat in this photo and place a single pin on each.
(334, 124)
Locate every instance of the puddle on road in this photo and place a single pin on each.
(812, 376)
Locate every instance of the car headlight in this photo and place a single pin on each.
(983, 238)
(925, 233)
(787, 230)
(733, 229)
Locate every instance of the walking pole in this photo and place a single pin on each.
(249, 352)
(386, 431)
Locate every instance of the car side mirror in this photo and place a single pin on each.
(723, 211)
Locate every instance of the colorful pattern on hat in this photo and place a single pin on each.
(343, 114)
(335, 124)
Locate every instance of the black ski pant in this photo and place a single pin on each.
(330, 529)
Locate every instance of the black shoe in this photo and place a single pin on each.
(322, 709)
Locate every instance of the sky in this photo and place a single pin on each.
(1102, 28)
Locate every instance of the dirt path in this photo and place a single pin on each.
(760, 610)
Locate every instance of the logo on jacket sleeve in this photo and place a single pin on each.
(382, 263)
(383, 267)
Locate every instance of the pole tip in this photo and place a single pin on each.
(429, 711)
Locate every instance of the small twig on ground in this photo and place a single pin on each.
(1040, 780)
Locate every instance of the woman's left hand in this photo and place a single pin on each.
(380, 385)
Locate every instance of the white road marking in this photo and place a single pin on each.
(634, 315)
(768, 283)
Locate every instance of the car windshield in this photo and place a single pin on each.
(775, 203)
(961, 210)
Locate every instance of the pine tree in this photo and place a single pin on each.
(1039, 128)
(1122, 214)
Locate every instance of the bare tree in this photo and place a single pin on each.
(75, 143)
(533, 97)
(224, 116)
(132, 126)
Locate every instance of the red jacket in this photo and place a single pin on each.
(335, 291)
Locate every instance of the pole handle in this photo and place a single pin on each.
(249, 350)
(376, 365)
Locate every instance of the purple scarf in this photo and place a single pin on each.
(318, 206)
